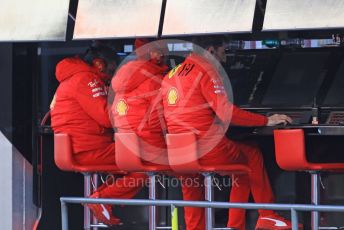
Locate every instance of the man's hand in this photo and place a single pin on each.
(277, 119)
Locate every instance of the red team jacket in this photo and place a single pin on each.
(195, 101)
(81, 106)
(137, 105)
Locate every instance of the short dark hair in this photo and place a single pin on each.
(207, 41)
(100, 51)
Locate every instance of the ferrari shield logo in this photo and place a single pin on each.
(121, 107)
(172, 96)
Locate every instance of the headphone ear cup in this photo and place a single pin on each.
(99, 64)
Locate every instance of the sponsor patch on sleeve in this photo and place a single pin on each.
(218, 86)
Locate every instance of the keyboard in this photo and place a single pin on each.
(299, 117)
(336, 118)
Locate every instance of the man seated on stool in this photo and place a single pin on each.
(195, 100)
(80, 109)
(137, 108)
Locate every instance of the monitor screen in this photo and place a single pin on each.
(246, 72)
(335, 95)
(296, 80)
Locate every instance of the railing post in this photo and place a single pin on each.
(64, 215)
(152, 196)
(294, 220)
(315, 200)
(87, 193)
(209, 217)
(94, 188)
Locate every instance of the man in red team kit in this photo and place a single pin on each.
(136, 87)
(137, 108)
(80, 110)
(195, 100)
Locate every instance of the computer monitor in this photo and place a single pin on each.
(297, 79)
(247, 72)
(335, 95)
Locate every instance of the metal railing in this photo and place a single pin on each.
(293, 208)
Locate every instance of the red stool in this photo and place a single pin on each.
(63, 155)
(290, 150)
(128, 159)
(183, 158)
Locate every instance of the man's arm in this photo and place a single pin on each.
(92, 97)
(214, 92)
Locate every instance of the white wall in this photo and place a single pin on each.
(17, 212)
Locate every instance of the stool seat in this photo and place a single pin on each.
(291, 154)
(156, 168)
(233, 168)
(64, 157)
(128, 155)
(329, 167)
(183, 157)
(96, 168)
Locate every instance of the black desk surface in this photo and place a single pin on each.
(327, 130)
